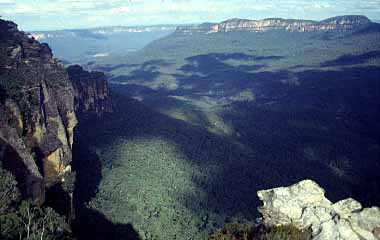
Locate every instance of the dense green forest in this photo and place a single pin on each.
(216, 117)
(193, 126)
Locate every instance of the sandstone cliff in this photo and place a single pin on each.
(341, 23)
(38, 106)
(37, 112)
(91, 91)
(305, 205)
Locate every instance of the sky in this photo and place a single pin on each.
(33, 15)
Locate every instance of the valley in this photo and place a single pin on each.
(169, 133)
(216, 117)
(85, 45)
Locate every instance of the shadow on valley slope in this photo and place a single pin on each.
(94, 225)
(214, 62)
(279, 153)
(89, 223)
(323, 116)
(148, 64)
(312, 124)
(352, 59)
(208, 76)
(145, 72)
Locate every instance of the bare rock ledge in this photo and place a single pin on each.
(304, 205)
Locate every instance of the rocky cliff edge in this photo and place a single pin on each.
(340, 23)
(304, 205)
(38, 111)
(91, 91)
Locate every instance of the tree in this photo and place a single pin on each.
(21, 219)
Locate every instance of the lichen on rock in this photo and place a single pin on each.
(304, 205)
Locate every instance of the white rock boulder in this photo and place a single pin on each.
(304, 205)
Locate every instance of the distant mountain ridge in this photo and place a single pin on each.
(100, 32)
(340, 23)
(84, 45)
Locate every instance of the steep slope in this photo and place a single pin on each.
(255, 110)
(37, 110)
(91, 91)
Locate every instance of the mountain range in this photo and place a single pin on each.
(83, 45)
(341, 23)
(236, 111)
(172, 141)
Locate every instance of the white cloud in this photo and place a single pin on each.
(123, 9)
(7, 1)
(87, 1)
(20, 9)
(89, 13)
(321, 5)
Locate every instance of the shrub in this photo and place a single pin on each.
(285, 232)
(20, 219)
(234, 232)
(246, 232)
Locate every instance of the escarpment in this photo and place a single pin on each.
(340, 23)
(91, 91)
(38, 111)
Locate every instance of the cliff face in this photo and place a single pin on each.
(37, 111)
(304, 205)
(91, 91)
(341, 23)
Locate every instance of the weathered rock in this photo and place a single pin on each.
(341, 23)
(91, 91)
(304, 205)
(37, 112)
(38, 109)
(15, 156)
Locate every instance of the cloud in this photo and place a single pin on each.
(7, 1)
(90, 13)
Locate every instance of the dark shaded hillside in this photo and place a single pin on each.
(220, 175)
(234, 113)
(39, 105)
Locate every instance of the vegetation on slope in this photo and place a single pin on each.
(21, 219)
(173, 180)
(247, 232)
(233, 114)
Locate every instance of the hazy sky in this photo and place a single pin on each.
(60, 14)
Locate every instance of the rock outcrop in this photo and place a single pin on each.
(341, 23)
(38, 110)
(305, 206)
(91, 91)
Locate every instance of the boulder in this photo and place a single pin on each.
(304, 205)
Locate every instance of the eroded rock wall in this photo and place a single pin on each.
(37, 111)
(39, 105)
(341, 23)
(91, 91)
